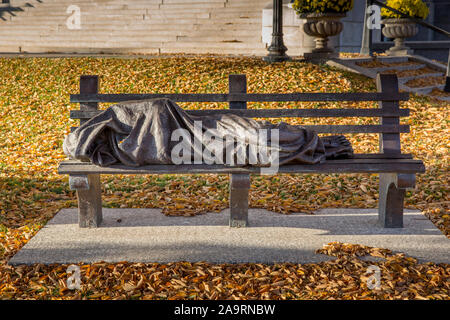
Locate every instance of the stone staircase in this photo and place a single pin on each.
(416, 74)
(134, 26)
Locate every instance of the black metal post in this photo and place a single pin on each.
(447, 79)
(366, 41)
(277, 49)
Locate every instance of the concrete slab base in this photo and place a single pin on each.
(146, 235)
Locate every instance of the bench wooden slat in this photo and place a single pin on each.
(354, 156)
(242, 97)
(330, 166)
(275, 113)
(381, 156)
(367, 128)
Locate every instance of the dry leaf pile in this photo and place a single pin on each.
(346, 277)
(34, 110)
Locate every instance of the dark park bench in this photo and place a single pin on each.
(397, 170)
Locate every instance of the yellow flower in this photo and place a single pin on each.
(322, 6)
(413, 8)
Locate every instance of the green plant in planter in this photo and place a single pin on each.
(322, 6)
(413, 8)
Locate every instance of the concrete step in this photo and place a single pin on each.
(141, 32)
(44, 13)
(113, 20)
(213, 10)
(193, 1)
(387, 59)
(193, 5)
(398, 64)
(205, 20)
(160, 14)
(425, 90)
(130, 8)
(222, 38)
(132, 50)
(246, 3)
(138, 43)
(151, 13)
(399, 67)
(82, 37)
(80, 50)
(108, 2)
(101, 36)
(425, 75)
(84, 17)
(214, 44)
(91, 44)
(87, 9)
(215, 50)
(146, 6)
(156, 26)
(440, 97)
(128, 27)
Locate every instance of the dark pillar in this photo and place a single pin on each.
(447, 79)
(277, 49)
(367, 33)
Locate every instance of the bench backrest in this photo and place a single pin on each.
(388, 97)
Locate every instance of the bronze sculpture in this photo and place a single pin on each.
(138, 133)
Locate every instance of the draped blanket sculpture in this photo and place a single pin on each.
(138, 133)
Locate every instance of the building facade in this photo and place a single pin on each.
(238, 27)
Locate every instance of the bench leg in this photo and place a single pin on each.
(239, 188)
(89, 196)
(392, 194)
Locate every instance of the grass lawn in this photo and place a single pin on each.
(34, 110)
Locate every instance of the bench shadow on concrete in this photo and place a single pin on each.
(336, 222)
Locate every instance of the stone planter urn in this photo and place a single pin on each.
(399, 30)
(321, 26)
